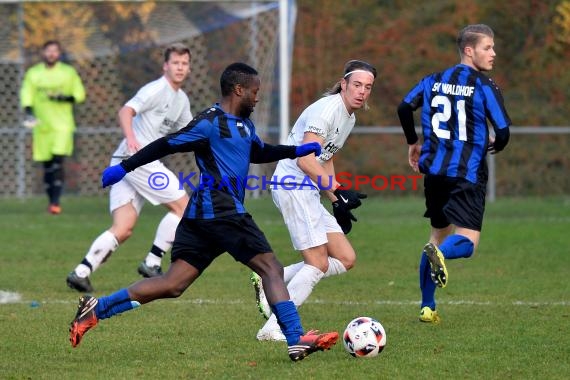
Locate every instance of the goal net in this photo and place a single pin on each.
(117, 47)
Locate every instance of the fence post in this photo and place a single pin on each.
(491, 184)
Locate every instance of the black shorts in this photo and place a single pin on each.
(454, 201)
(200, 241)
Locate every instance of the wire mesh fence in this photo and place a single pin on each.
(117, 47)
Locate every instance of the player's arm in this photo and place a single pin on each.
(78, 88)
(126, 115)
(406, 116)
(26, 102)
(500, 141)
(497, 113)
(262, 152)
(187, 139)
(312, 168)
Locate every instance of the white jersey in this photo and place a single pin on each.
(328, 118)
(160, 110)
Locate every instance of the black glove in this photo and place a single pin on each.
(62, 98)
(343, 216)
(349, 198)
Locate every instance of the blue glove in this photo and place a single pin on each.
(306, 149)
(112, 175)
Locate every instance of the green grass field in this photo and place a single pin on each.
(506, 311)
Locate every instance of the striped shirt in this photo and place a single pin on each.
(456, 105)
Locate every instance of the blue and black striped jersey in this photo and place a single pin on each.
(456, 104)
(222, 145)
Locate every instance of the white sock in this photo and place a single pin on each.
(100, 251)
(300, 287)
(291, 270)
(302, 284)
(164, 237)
(335, 267)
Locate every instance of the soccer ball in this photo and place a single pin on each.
(364, 337)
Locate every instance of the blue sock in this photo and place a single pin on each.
(289, 320)
(427, 286)
(456, 246)
(116, 303)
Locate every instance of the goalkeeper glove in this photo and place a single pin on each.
(112, 175)
(350, 199)
(30, 120)
(306, 149)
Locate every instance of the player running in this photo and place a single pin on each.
(456, 104)
(319, 236)
(158, 108)
(224, 143)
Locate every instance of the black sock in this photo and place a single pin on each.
(57, 183)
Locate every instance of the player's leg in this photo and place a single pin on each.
(428, 311)
(285, 312)
(125, 207)
(192, 252)
(159, 186)
(48, 180)
(308, 223)
(342, 256)
(90, 309)
(315, 264)
(436, 191)
(465, 210)
(151, 265)
(56, 184)
(62, 145)
(42, 142)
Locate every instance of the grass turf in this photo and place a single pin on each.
(505, 311)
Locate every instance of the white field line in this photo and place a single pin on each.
(15, 298)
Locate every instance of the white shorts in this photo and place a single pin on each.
(153, 182)
(307, 220)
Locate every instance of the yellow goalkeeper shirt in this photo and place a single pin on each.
(39, 83)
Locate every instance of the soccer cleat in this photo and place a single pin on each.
(312, 342)
(81, 284)
(438, 271)
(260, 299)
(428, 315)
(146, 271)
(54, 209)
(271, 335)
(85, 319)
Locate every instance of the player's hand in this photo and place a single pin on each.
(308, 148)
(343, 217)
(349, 199)
(133, 145)
(491, 146)
(414, 151)
(112, 175)
(29, 121)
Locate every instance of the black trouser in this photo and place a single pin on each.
(53, 178)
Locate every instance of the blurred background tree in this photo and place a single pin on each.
(406, 40)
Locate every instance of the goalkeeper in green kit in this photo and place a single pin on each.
(48, 92)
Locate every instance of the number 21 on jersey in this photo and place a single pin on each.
(445, 114)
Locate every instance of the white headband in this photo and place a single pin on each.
(358, 71)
